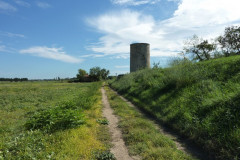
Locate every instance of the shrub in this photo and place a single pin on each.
(57, 118)
(103, 121)
(104, 155)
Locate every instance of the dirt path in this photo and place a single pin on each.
(181, 143)
(119, 149)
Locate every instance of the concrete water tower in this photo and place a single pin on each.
(139, 56)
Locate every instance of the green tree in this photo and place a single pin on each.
(199, 49)
(81, 74)
(104, 73)
(230, 41)
(96, 73)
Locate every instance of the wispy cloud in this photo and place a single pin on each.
(134, 2)
(22, 3)
(6, 7)
(206, 18)
(6, 49)
(92, 55)
(51, 53)
(8, 34)
(43, 5)
(174, 0)
(2, 48)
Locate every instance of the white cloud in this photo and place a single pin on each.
(7, 7)
(43, 5)
(122, 29)
(22, 3)
(206, 18)
(134, 2)
(11, 35)
(50, 53)
(195, 13)
(92, 55)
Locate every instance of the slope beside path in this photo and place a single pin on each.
(182, 143)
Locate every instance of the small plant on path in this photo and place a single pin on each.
(103, 121)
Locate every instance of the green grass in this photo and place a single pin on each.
(140, 135)
(50, 120)
(200, 101)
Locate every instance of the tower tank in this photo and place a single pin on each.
(139, 56)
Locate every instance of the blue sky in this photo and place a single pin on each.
(54, 38)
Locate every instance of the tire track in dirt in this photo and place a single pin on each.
(119, 148)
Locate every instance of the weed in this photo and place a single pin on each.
(103, 121)
(27, 145)
(104, 155)
(54, 119)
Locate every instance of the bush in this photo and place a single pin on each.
(57, 118)
(104, 155)
(103, 121)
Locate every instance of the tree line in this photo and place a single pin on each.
(226, 45)
(95, 74)
(14, 79)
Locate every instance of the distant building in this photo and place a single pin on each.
(86, 78)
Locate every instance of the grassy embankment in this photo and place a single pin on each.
(140, 134)
(200, 101)
(48, 120)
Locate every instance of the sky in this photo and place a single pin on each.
(44, 39)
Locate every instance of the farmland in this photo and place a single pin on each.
(51, 120)
(58, 120)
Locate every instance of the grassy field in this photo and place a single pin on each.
(200, 101)
(50, 120)
(140, 134)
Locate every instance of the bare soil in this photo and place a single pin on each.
(119, 148)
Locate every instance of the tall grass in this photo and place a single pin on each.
(200, 100)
